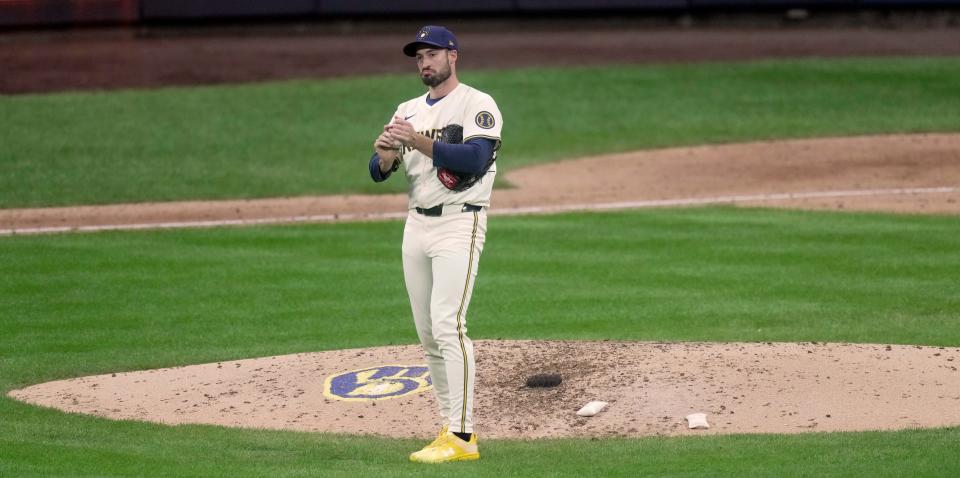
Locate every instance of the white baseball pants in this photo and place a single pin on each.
(440, 259)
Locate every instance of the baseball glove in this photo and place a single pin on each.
(454, 180)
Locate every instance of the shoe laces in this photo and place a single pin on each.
(441, 437)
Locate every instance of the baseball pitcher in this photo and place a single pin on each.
(447, 141)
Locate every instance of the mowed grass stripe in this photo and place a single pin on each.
(313, 137)
(89, 303)
(82, 304)
(82, 446)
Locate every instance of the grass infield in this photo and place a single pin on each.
(314, 137)
(81, 304)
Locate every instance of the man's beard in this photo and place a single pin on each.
(438, 77)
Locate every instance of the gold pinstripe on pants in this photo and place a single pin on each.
(463, 300)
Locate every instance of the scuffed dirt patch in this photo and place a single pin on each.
(651, 387)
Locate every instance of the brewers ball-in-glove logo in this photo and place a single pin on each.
(377, 383)
(485, 120)
(455, 180)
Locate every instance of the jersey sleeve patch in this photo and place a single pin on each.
(485, 120)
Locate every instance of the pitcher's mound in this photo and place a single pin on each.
(650, 387)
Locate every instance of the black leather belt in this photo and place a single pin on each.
(437, 210)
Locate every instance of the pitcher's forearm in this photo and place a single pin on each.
(423, 144)
(386, 163)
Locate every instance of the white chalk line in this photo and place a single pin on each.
(350, 217)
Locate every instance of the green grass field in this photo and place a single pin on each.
(73, 305)
(300, 138)
(94, 303)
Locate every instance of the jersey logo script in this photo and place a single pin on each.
(377, 383)
(485, 120)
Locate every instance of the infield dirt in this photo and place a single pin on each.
(874, 165)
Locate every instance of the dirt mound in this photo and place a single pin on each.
(651, 387)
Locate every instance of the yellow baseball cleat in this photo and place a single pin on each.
(436, 441)
(439, 439)
(448, 448)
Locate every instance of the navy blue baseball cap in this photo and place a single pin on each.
(432, 35)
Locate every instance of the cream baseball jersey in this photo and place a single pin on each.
(479, 116)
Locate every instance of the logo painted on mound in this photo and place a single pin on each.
(377, 383)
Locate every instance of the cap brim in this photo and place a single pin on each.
(411, 48)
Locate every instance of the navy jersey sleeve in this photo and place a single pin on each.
(469, 157)
(375, 173)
